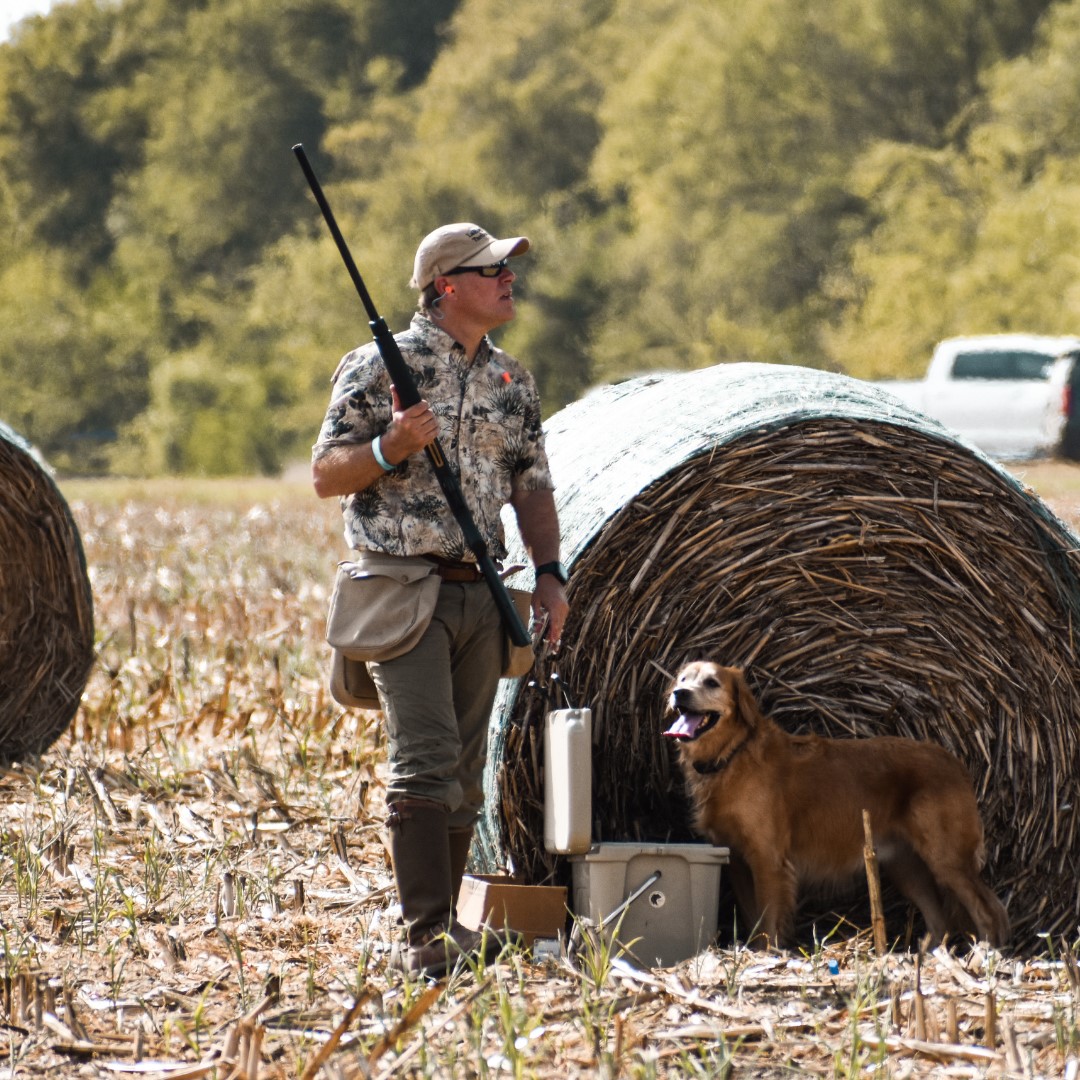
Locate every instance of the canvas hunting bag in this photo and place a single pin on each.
(380, 607)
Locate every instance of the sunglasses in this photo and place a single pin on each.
(492, 270)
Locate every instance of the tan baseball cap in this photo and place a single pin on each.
(461, 244)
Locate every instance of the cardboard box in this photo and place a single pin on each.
(531, 910)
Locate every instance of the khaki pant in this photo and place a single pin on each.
(437, 702)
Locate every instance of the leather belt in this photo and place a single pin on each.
(449, 570)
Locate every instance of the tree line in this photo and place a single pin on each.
(837, 186)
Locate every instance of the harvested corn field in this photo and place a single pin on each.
(193, 882)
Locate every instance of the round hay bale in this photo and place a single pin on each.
(871, 572)
(46, 617)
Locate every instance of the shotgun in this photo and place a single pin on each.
(405, 384)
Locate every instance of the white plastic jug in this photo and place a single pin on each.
(568, 781)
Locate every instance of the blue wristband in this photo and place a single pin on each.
(376, 449)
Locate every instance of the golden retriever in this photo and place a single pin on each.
(790, 809)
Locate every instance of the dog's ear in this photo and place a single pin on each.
(746, 706)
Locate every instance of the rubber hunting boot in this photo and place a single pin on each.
(420, 851)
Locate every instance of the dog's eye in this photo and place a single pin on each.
(712, 683)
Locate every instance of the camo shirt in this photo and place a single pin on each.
(489, 429)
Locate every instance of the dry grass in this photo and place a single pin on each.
(193, 881)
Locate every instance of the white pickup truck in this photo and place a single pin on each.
(1012, 395)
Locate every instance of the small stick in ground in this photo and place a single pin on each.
(873, 881)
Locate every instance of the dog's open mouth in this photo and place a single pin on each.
(687, 726)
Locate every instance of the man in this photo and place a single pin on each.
(482, 406)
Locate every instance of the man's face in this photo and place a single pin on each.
(483, 301)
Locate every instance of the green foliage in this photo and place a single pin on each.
(205, 418)
(836, 186)
(75, 361)
(213, 189)
(58, 172)
(895, 291)
(979, 237)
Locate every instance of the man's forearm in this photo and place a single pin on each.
(538, 523)
(345, 470)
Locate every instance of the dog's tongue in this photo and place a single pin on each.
(685, 725)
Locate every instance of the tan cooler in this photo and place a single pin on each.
(675, 890)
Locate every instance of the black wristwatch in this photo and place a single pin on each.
(556, 569)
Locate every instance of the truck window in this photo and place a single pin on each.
(1005, 364)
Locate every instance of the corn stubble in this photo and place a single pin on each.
(193, 881)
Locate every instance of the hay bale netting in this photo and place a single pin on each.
(46, 609)
(874, 575)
